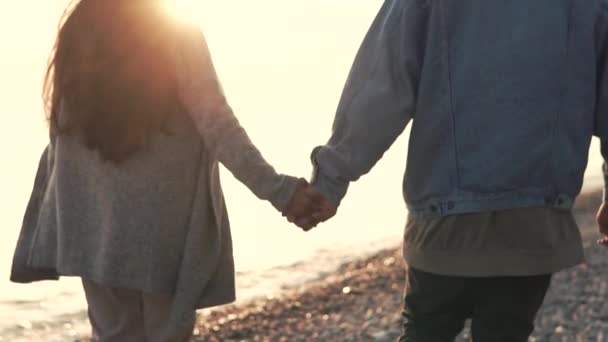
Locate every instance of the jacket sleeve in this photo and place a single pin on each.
(202, 95)
(378, 100)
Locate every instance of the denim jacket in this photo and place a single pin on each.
(504, 98)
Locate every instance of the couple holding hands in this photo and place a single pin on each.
(127, 194)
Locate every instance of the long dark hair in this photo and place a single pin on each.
(111, 78)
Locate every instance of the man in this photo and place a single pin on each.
(504, 97)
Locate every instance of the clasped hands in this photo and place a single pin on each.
(308, 207)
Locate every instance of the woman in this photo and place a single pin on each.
(128, 197)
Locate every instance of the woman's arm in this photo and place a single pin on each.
(203, 97)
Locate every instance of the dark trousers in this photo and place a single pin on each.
(501, 308)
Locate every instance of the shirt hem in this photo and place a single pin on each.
(457, 263)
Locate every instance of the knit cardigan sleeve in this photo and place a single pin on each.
(202, 95)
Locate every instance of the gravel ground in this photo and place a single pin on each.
(576, 307)
(362, 302)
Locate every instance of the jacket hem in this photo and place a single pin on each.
(457, 204)
(211, 302)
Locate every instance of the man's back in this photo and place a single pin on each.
(510, 87)
(504, 97)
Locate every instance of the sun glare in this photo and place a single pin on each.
(186, 10)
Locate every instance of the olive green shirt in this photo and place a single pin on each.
(518, 242)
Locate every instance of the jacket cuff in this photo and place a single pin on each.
(331, 188)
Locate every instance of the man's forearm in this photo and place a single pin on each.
(378, 99)
(332, 188)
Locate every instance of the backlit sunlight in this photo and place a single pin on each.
(186, 10)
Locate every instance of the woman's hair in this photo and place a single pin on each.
(111, 78)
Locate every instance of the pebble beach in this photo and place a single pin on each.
(362, 301)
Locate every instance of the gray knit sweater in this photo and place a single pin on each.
(156, 222)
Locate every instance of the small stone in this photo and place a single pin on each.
(346, 290)
(25, 325)
(381, 337)
(389, 261)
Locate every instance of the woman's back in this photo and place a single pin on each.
(129, 165)
(131, 197)
(102, 213)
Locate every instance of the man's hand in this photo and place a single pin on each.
(308, 207)
(324, 211)
(602, 221)
(305, 202)
(328, 210)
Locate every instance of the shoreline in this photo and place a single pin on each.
(361, 301)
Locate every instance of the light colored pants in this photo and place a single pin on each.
(118, 315)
